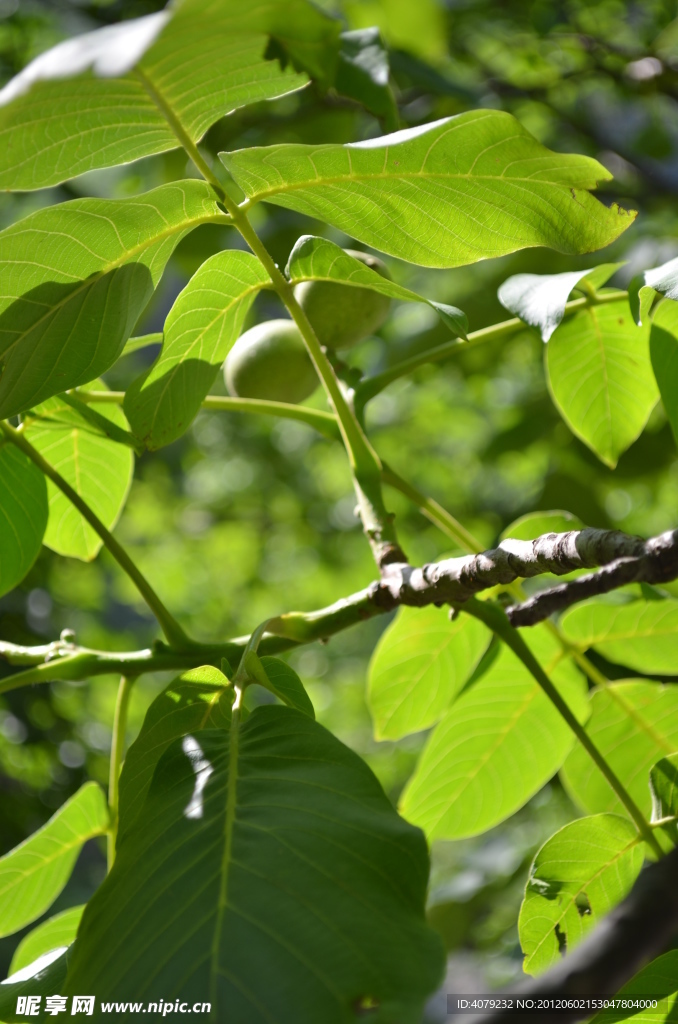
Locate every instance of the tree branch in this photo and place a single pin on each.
(452, 581)
(655, 562)
(639, 929)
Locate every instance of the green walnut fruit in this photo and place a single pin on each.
(270, 361)
(341, 314)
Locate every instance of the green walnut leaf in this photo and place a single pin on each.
(57, 933)
(97, 467)
(74, 279)
(44, 977)
(664, 791)
(363, 73)
(452, 192)
(577, 876)
(536, 524)
(23, 514)
(499, 743)
(318, 259)
(644, 287)
(659, 980)
(116, 94)
(273, 844)
(33, 874)
(633, 724)
(540, 299)
(664, 356)
(198, 699)
(419, 666)
(280, 679)
(200, 329)
(600, 376)
(641, 634)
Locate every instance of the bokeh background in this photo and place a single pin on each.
(246, 517)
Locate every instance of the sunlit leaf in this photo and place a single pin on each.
(200, 329)
(419, 666)
(57, 932)
(536, 524)
(601, 379)
(659, 980)
(443, 194)
(98, 468)
(34, 873)
(198, 699)
(23, 514)
(633, 724)
(499, 743)
(272, 844)
(104, 97)
(577, 876)
(540, 299)
(641, 635)
(319, 259)
(74, 279)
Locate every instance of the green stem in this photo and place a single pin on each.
(494, 617)
(183, 137)
(365, 463)
(371, 386)
(170, 627)
(433, 511)
(324, 422)
(117, 753)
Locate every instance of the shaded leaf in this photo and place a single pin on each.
(664, 791)
(499, 743)
(300, 864)
(23, 514)
(200, 329)
(441, 195)
(633, 724)
(601, 379)
(641, 634)
(281, 679)
(659, 980)
(75, 278)
(98, 468)
(577, 877)
(644, 287)
(536, 524)
(664, 356)
(33, 874)
(54, 126)
(318, 259)
(57, 932)
(198, 699)
(363, 73)
(419, 666)
(540, 299)
(45, 977)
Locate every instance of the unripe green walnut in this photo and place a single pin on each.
(270, 361)
(342, 315)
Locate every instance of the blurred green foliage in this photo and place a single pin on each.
(245, 517)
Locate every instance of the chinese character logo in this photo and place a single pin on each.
(83, 1004)
(55, 1004)
(28, 1006)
